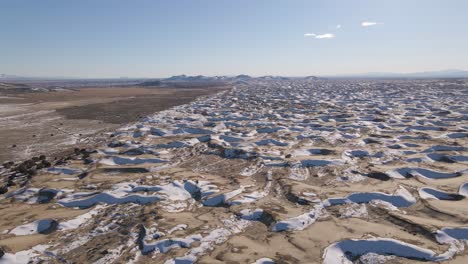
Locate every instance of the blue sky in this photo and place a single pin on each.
(151, 38)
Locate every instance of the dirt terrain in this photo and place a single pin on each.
(50, 123)
(286, 171)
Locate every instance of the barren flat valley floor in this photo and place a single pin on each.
(270, 171)
(53, 123)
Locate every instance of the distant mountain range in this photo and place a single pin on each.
(185, 78)
(190, 81)
(7, 76)
(201, 80)
(452, 73)
(18, 77)
(241, 77)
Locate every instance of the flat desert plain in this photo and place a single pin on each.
(54, 123)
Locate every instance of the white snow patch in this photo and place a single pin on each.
(463, 190)
(300, 222)
(79, 220)
(217, 236)
(344, 251)
(264, 261)
(35, 227)
(23, 257)
(354, 210)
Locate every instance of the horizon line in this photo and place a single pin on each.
(369, 74)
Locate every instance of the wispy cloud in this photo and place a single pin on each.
(322, 36)
(370, 24)
(338, 26)
(325, 36)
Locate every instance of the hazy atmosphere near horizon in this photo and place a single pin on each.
(146, 38)
(233, 132)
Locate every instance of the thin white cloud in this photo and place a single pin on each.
(322, 36)
(338, 26)
(369, 24)
(325, 36)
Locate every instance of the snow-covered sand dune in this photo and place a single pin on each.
(347, 251)
(426, 173)
(430, 193)
(401, 198)
(269, 171)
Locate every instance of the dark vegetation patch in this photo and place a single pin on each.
(132, 109)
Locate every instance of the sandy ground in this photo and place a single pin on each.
(51, 123)
(276, 172)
